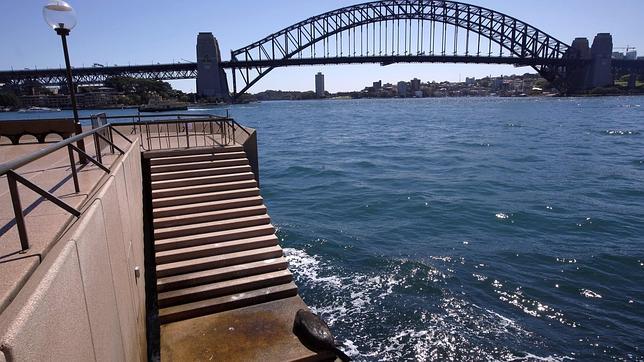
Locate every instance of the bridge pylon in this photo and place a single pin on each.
(211, 78)
(596, 70)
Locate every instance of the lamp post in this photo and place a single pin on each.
(62, 18)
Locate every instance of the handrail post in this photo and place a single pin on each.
(72, 164)
(111, 139)
(97, 142)
(17, 209)
(187, 136)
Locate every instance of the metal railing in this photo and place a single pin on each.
(178, 130)
(198, 130)
(100, 134)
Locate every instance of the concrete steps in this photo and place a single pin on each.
(228, 302)
(210, 249)
(211, 226)
(196, 165)
(218, 289)
(199, 217)
(203, 180)
(163, 176)
(204, 197)
(197, 158)
(219, 274)
(209, 187)
(207, 206)
(215, 247)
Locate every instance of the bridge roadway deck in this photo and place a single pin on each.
(261, 332)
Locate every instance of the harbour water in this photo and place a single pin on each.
(464, 228)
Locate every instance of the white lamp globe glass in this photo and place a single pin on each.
(59, 14)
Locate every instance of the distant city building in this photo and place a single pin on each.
(319, 85)
(632, 55)
(470, 81)
(402, 89)
(377, 85)
(415, 85)
(618, 55)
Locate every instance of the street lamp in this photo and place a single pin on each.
(62, 18)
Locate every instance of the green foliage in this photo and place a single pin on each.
(273, 95)
(624, 78)
(139, 91)
(8, 99)
(603, 91)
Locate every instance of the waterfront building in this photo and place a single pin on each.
(415, 85)
(402, 89)
(632, 55)
(319, 85)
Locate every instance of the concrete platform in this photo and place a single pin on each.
(261, 332)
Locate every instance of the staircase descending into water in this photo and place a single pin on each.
(215, 247)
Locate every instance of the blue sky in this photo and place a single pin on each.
(145, 31)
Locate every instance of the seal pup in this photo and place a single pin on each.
(315, 334)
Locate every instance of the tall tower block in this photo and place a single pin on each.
(211, 78)
(319, 85)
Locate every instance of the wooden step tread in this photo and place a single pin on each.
(198, 217)
(211, 226)
(207, 206)
(220, 304)
(218, 261)
(197, 189)
(226, 287)
(201, 180)
(220, 274)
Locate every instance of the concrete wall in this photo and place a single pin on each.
(84, 301)
(249, 142)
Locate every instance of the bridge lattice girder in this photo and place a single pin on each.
(521, 40)
(98, 75)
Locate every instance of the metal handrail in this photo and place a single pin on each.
(104, 133)
(223, 125)
(19, 162)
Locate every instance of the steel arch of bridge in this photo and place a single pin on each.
(524, 44)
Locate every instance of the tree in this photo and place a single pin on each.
(9, 100)
(143, 88)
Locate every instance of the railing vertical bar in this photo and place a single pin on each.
(147, 130)
(187, 136)
(167, 133)
(111, 140)
(72, 164)
(159, 130)
(17, 209)
(99, 156)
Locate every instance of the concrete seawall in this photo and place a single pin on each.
(85, 301)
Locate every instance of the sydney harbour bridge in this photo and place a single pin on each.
(381, 32)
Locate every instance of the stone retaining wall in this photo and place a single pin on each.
(84, 301)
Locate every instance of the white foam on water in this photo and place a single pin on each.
(590, 294)
(448, 329)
